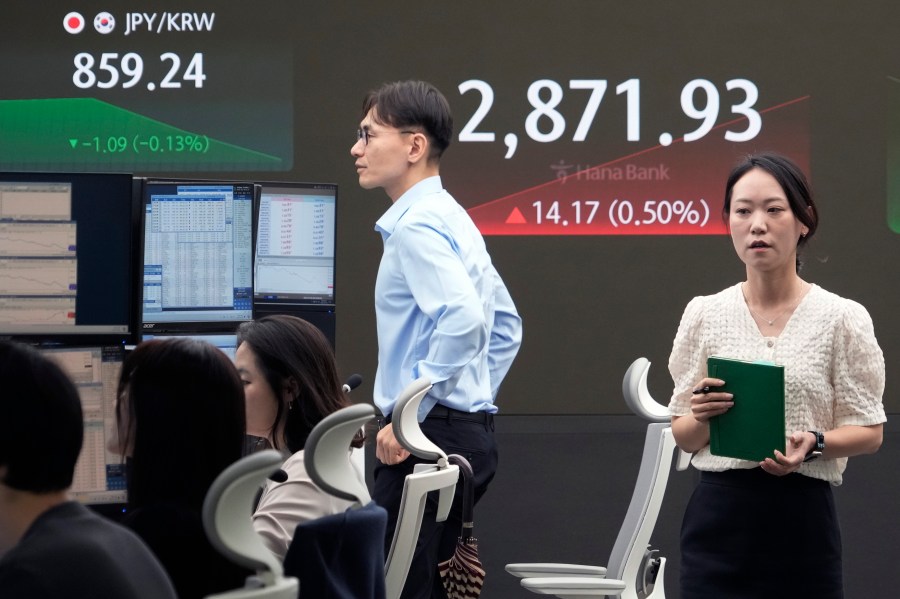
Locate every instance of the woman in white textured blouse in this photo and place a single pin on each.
(770, 529)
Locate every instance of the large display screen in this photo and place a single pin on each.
(142, 88)
(592, 142)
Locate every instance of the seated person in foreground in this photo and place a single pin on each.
(290, 383)
(181, 422)
(51, 546)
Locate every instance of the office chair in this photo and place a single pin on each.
(340, 555)
(632, 572)
(440, 476)
(226, 519)
(637, 397)
(327, 458)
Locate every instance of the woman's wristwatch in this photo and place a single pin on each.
(817, 449)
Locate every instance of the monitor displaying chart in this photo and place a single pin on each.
(66, 257)
(295, 244)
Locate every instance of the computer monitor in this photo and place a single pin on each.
(226, 342)
(67, 259)
(197, 254)
(99, 474)
(295, 245)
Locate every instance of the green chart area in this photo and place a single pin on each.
(89, 134)
(893, 155)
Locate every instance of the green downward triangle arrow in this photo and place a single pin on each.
(73, 143)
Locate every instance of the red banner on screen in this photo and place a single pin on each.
(662, 190)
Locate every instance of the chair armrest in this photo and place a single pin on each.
(286, 588)
(683, 460)
(548, 570)
(583, 586)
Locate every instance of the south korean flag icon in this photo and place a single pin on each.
(73, 22)
(104, 23)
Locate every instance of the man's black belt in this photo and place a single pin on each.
(440, 411)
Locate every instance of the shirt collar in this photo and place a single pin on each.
(388, 221)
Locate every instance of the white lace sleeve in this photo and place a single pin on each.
(858, 370)
(687, 362)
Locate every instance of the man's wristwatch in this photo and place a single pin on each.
(817, 449)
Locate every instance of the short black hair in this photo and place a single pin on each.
(41, 422)
(405, 104)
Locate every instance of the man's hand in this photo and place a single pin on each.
(387, 449)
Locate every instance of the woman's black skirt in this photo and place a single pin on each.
(750, 534)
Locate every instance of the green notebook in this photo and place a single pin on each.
(754, 427)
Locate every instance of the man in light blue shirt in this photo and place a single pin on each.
(441, 308)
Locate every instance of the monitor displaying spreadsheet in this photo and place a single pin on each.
(197, 254)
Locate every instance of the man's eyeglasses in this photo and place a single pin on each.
(363, 134)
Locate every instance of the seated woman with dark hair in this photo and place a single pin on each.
(290, 383)
(181, 422)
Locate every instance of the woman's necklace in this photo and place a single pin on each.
(785, 311)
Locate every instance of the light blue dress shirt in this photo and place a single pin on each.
(441, 309)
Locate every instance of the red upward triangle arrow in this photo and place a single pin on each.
(515, 218)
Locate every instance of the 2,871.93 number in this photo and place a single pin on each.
(546, 95)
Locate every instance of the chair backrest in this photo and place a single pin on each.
(227, 521)
(339, 555)
(326, 453)
(627, 554)
(406, 422)
(440, 476)
(637, 395)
